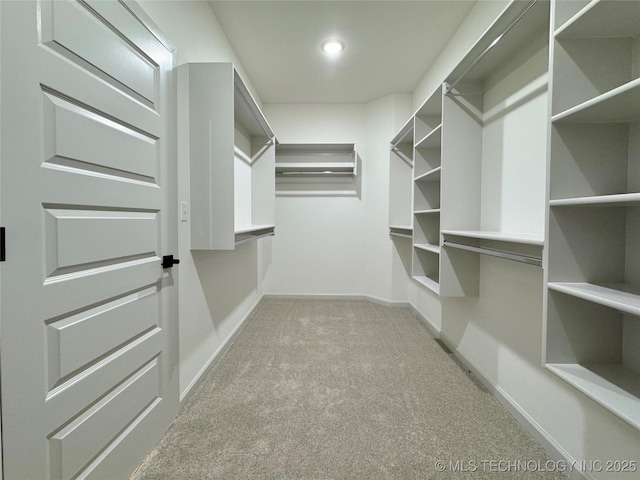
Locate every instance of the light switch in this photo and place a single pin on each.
(184, 211)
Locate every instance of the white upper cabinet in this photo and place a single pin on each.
(231, 150)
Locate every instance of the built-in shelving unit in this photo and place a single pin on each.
(231, 157)
(316, 168)
(485, 193)
(493, 181)
(427, 173)
(592, 330)
(401, 183)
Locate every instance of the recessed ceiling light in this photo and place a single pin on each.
(332, 46)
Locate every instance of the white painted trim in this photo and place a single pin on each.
(433, 329)
(553, 448)
(216, 356)
(316, 296)
(331, 296)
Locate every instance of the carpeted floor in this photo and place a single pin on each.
(341, 389)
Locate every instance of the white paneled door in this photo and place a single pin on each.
(88, 337)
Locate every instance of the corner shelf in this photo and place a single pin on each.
(232, 157)
(592, 316)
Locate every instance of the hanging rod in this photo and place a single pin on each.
(251, 104)
(344, 174)
(254, 237)
(402, 235)
(402, 155)
(451, 86)
(403, 133)
(496, 253)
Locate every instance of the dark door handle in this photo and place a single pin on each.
(168, 261)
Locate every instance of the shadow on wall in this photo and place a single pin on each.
(403, 247)
(506, 316)
(228, 279)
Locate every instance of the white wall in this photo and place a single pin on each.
(318, 246)
(216, 289)
(385, 271)
(339, 245)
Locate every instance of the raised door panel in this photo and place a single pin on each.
(88, 354)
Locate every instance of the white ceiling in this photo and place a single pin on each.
(390, 45)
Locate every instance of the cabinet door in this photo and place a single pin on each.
(89, 364)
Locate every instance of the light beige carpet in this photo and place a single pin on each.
(340, 389)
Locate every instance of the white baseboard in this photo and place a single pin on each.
(553, 449)
(333, 296)
(216, 356)
(433, 329)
